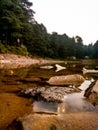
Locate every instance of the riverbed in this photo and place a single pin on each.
(13, 80)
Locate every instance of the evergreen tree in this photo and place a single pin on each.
(96, 49)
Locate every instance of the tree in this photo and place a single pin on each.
(79, 47)
(18, 27)
(96, 49)
(14, 18)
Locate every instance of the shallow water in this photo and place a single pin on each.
(74, 102)
(36, 76)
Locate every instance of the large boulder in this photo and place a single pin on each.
(72, 121)
(75, 79)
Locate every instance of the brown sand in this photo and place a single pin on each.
(11, 107)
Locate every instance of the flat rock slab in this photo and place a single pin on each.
(54, 94)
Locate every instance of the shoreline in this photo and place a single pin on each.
(14, 61)
(19, 59)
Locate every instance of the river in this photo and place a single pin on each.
(13, 80)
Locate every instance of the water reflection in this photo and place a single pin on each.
(45, 107)
(74, 102)
(62, 107)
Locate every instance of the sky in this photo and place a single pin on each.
(72, 17)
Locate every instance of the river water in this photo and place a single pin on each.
(74, 102)
(36, 75)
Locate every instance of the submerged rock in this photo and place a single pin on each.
(54, 94)
(75, 79)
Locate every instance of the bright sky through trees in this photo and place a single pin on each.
(73, 17)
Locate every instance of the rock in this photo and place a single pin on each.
(15, 125)
(89, 71)
(47, 67)
(91, 93)
(54, 94)
(75, 79)
(34, 122)
(95, 87)
(89, 89)
(59, 67)
(68, 121)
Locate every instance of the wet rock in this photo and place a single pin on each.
(89, 89)
(53, 127)
(95, 87)
(30, 80)
(91, 93)
(15, 125)
(54, 94)
(34, 122)
(75, 79)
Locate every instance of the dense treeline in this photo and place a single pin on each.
(20, 33)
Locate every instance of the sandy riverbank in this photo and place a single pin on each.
(18, 61)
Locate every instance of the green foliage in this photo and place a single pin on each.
(17, 50)
(22, 50)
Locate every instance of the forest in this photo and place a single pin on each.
(20, 33)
